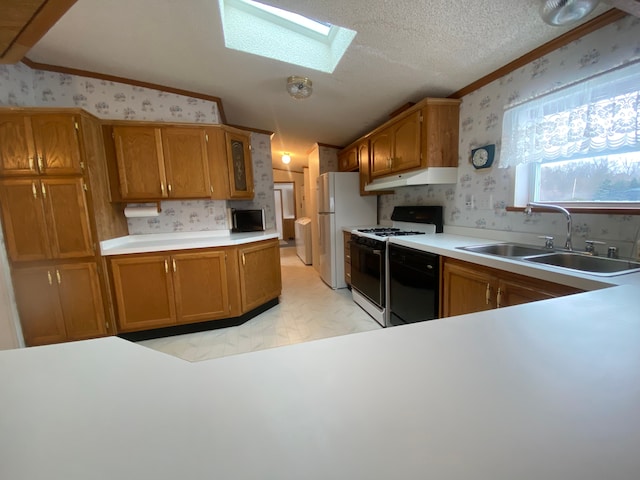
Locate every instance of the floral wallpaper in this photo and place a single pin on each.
(479, 198)
(22, 86)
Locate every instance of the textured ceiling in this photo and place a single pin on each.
(403, 51)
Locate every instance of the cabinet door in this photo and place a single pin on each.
(406, 143)
(517, 290)
(24, 220)
(143, 290)
(81, 300)
(67, 218)
(41, 317)
(348, 160)
(140, 162)
(240, 165)
(440, 130)
(200, 283)
(260, 279)
(17, 150)
(186, 162)
(57, 147)
(466, 290)
(380, 153)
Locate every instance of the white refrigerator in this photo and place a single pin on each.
(340, 205)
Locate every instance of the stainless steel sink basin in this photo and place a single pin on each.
(507, 249)
(586, 263)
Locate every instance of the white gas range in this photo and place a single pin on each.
(369, 259)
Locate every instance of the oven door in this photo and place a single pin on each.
(368, 271)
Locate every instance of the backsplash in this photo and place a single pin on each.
(22, 86)
(481, 115)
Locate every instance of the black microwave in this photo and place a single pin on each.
(247, 220)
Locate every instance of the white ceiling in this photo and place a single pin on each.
(404, 51)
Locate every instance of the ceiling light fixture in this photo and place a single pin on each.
(559, 13)
(286, 158)
(299, 87)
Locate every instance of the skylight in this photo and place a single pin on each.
(271, 32)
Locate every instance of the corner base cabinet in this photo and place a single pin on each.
(165, 289)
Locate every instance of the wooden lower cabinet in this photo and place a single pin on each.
(171, 288)
(59, 303)
(260, 277)
(469, 288)
(161, 290)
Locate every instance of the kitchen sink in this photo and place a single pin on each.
(507, 249)
(586, 263)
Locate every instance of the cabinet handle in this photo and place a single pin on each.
(34, 190)
(40, 163)
(211, 188)
(487, 296)
(58, 277)
(169, 187)
(161, 188)
(498, 298)
(173, 261)
(31, 163)
(166, 266)
(49, 276)
(44, 190)
(243, 260)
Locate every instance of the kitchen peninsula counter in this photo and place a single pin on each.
(544, 390)
(158, 242)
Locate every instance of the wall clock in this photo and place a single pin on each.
(483, 157)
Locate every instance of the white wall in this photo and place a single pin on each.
(481, 124)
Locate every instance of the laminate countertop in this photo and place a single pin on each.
(545, 390)
(158, 242)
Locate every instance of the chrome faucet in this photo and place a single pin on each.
(566, 212)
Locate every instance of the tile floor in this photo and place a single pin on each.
(308, 310)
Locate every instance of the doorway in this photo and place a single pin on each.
(284, 195)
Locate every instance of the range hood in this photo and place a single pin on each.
(428, 176)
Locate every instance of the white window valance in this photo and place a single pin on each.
(590, 118)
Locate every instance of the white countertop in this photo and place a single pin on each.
(548, 390)
(157, 242)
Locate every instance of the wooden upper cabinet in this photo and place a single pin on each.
(186, 162)
(140, 162)
(45, 219)
(396, 148)
(240, 166)
(440, 133)
(45, 144)
(364, 166)
(380, 152)
(17, 148)
(348, 159)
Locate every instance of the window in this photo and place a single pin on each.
(271, 32)
(579, 145)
